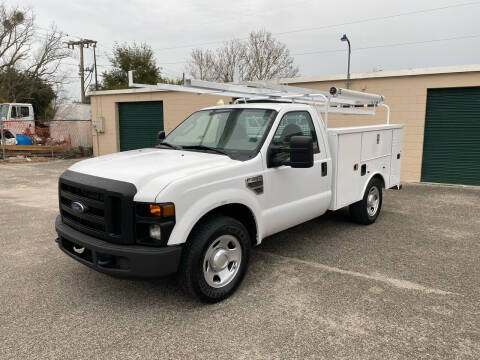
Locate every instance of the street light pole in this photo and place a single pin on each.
(345, 38)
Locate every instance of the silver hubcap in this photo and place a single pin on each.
(222, 261)
(373, 200)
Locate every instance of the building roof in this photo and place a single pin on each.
(385, 73)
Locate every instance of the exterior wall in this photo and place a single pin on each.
(407, 98)
(176, 107)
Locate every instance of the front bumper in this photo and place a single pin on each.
(118, 260)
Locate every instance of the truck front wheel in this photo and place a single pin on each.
(215, 258)
(366, 210)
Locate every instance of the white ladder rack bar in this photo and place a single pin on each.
(241, 89)
(338, 100)
(356, 95)
(304, 92)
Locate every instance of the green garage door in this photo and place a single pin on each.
(139, 123)
(451, 149)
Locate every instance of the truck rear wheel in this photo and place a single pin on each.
(215, 258)
(366, 210)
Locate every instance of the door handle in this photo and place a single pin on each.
(324, 169)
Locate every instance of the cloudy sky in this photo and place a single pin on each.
(385, 34)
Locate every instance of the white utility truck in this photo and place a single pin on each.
(16, 117)
(224, 179)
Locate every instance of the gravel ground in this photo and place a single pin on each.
(405, 287)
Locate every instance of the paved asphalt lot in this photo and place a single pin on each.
(405, 287)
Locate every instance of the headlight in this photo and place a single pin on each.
(154, 223)
(156, 232)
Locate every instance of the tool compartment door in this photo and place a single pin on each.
(396, 157)
(376, 144)
(349, 184)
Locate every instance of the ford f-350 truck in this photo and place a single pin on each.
(219, 183)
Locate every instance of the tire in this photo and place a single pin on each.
(367, 210)
(215, 258)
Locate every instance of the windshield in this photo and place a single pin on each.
(237, 132)
(3, 110)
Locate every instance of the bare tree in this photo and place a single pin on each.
(260, 57)
(19, 49)
(16, 34)
(202, 64)
(228, 59)
(47, 58)
(266, 58)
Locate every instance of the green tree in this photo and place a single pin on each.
(131, 57)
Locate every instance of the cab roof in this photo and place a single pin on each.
(19, 104)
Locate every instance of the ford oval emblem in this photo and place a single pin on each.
(79, 207)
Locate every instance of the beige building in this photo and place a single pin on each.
(451, 123)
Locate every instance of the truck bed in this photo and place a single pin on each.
(359, 153)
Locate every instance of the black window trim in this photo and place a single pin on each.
(312, 123)
(22, 107)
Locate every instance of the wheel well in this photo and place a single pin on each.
(380, 177)
(239, 212)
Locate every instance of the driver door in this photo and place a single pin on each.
(295, 195)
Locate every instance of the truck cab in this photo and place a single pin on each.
(17, 111)
(217, 185)
(17, 117)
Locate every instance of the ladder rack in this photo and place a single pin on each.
(337, 100)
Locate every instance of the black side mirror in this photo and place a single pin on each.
(301, 152)
(160, 137)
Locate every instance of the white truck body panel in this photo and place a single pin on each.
(374, 147)
(296, 196)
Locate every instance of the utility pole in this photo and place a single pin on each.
(81, 44)
(95, 65)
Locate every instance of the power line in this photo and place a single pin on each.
(333, 25)
(390, 45)
(380, 18)
(365, 48)
(60, 32)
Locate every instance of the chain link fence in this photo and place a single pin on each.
(56, 139)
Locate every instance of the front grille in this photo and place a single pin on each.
(94, 217)
(107, 206)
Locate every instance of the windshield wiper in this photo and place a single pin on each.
(169, 145)
(203, 147)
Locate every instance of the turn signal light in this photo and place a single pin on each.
(155, 210)
(167, 210)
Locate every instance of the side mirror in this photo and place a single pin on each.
(160, 137)
(301, 152)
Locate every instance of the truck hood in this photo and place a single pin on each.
(151, 170)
